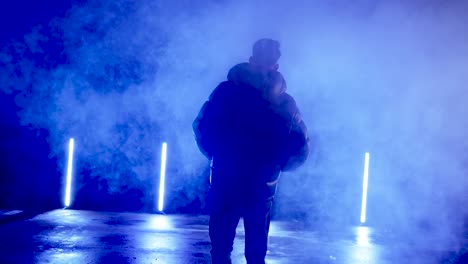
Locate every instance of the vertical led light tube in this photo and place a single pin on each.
(162, 177)
(71, 147)
(364, 188)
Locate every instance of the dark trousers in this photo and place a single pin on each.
(226, 210)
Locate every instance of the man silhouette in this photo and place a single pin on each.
(251, 129)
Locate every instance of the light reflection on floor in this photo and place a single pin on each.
(69, 236)
(363, 236)
(364, 251)
(160, 222)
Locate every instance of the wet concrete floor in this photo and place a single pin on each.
(72, 236)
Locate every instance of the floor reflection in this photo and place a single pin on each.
(160, 222)
(364, 251)
(68, 236)
(363, 236)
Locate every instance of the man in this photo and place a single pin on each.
(250, 140)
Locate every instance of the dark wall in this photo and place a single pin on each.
(17, 17)
(28, 178)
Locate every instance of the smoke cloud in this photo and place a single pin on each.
(388, 77)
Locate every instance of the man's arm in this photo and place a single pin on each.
(300, 145)
(298, 141)
(199, 126)
(207, 121)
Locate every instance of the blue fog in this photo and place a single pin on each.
(388, 77)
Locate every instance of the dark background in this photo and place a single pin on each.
(24, 153)
(29, 178)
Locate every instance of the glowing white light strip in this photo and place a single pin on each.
(364, 188)
(69, 172)
(162, 176)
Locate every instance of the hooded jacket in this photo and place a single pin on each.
(285, 106)
(250, 139)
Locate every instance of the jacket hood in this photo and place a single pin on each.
(244, 73)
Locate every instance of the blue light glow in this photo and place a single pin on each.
(69, 172)
(364, 188)
(162, 178)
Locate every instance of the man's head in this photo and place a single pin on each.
(265, 54)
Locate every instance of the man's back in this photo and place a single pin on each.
(245, 136)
